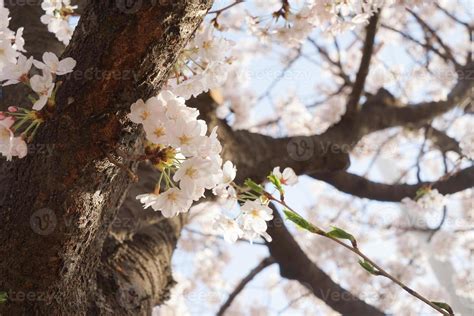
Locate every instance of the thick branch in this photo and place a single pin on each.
(443, 142)
(380, 112)
(364, 188)
(255, 154)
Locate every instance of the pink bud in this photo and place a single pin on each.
(2, 116)
(12, 109)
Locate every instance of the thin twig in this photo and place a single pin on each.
(259, 268)
(219, 11)
(354, 248)
(363, 71)
(433, 33)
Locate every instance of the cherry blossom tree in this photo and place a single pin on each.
(236, 157)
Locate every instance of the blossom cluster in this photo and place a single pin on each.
(427, 199)
(203, 65)
(251, 222)
(299, 22)
(56, 17)
(297, 119)
(11, 43)
(190, 163)
(178, 143)
(16, 68)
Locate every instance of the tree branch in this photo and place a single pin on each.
(364, 66)
(443, 142)
(362, 187)
(255, 154)
(434, 34)
(259, 268)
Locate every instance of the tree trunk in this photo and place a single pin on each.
(58, 204)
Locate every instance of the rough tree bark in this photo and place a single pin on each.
(122, 55)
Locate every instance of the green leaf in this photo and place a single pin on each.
(368, 267)
(444, 306)
(252, 185)
(301, 222)
(339, 233)
(275, 181)
(3, 297)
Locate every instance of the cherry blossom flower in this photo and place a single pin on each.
(229, 228)
(43, 86)
(195, 175)
(288, 177)
(210, 146)
(203, 65)
(8, 53)
(4, 17)
(431, 200)
(176, 107)
(254, 219)
(187, 135)
(139, 112)
(191, 87)
(52, 63)
(171, 202)
(9, 144)
(56, 17)
(18, 72)
(152, 110)
(227, 196)
(19, 40)
(51, 5)
(229, 172)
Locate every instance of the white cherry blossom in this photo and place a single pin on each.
(8, 53)
(287, 177)
(52, 63)
(171, 202)
(229, 172)
(10, 145)
(229, 228)
(43, 86)
(254, 219)
(56, 17)
(186, 135)
(18, 72)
